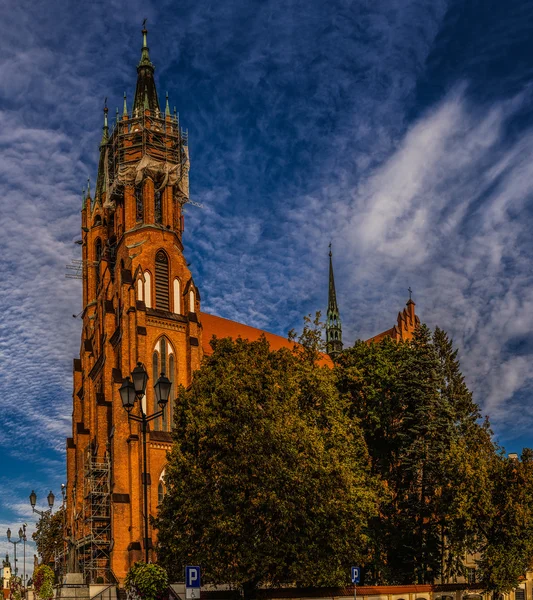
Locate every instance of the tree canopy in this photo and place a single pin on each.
(450, 489)
(48, 536)
(268, 480)
(282, 471)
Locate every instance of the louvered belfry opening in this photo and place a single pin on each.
(161, 281)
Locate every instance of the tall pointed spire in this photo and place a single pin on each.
(333, 321)
(145, 80)
(125, 109)
(167, 107)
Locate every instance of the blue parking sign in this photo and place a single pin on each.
(356, 574)
(192, 577)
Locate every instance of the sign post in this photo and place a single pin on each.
(192, 583)
(356, 576)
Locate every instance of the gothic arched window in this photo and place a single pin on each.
(177, 296)
(139, 204)
(170, 405)
(148, 289)
(191, 301)
(158, 207)
(155, 375)
(161, 281)
(163, 361)
(160, 492)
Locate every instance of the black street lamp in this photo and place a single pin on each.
(130, 391)
(33, 502)
(15, 545)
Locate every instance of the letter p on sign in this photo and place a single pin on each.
(192, 578)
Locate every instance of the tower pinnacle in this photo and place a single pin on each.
(105, 128)
(333, 320)
(145, 80)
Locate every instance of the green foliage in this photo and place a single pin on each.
(268, 478)
(426, 443)
(507, 529)
(43, 581)
(309, 345)
(48, 535)
(15, 588)
(277, 464)
(146, 581)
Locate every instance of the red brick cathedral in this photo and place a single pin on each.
(140, 305)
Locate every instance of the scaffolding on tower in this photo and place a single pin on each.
(94, 548)
(146, 145)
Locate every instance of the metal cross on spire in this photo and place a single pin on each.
(410, 292)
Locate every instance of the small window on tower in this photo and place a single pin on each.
(147, 289)
(162, 300)
(158, 207)
(177, 296)
(191, 301)
(139, 206)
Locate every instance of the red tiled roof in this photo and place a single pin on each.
(221, 328)
(380, 336)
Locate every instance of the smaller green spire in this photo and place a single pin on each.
(145, 55)
(167, 107)
(125, 109)
(88, 188)
(105, 129)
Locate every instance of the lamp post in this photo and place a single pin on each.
(23, 536)
(63, 494)
(15, 545)
(43, 513)
(133, 390)
(33, 502)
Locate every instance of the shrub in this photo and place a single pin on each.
(146, 581)
(15, 588)
(43, 581)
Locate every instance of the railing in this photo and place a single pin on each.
(106, 594)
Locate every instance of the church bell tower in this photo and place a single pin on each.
(140, 305)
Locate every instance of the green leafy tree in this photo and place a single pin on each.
(146, 581)
(507, 530)
(43, 581)
(48, 536)
(268, 478)
(427, 444)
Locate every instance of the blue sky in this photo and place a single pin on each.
(402, 130)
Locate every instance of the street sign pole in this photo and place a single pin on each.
(356, 574)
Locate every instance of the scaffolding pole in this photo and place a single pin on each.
(94, 549)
